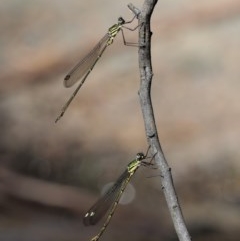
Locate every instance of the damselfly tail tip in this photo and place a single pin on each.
(59, 117)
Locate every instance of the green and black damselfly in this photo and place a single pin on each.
(113, 195)
(85, 66)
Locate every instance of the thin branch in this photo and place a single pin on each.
(145, 67)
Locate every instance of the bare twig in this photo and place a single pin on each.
(146, 74)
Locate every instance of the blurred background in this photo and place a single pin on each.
(51, 174)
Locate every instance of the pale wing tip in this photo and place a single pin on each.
(66, 82)
(67, 77)
(86, 220)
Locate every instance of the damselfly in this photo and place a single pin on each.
(85, 66)
(113, 195)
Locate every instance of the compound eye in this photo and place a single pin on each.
(140, 156)
(121, 20)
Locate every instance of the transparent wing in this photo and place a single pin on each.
(85, 64)
(98, 210)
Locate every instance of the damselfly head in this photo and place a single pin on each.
(121, 21)
(140, 156)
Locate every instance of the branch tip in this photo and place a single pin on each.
(134, 9)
